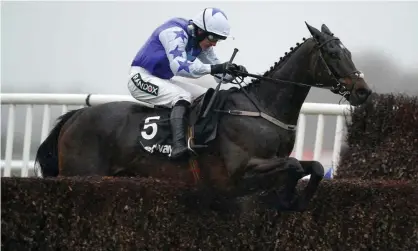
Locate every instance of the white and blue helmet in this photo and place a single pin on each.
(213, 20)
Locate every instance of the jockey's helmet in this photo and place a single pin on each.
(213, 21)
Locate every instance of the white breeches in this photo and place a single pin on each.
(162, 92)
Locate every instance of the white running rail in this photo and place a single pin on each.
(30, 100)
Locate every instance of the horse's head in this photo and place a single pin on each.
(335, 68)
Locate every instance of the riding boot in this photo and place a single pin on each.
(178, 128)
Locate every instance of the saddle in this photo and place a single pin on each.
(155, 129)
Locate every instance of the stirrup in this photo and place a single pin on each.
(190, 147)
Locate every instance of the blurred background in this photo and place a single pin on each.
(87, 46)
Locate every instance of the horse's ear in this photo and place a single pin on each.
(326, 30)
(315, 32)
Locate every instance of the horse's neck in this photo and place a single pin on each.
(282, 100)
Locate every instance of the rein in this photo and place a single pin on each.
(338, 87)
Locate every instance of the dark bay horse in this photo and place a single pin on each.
(250, 138)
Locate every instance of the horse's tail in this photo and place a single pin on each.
(47, 154)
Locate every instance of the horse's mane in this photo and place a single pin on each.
(277, 65)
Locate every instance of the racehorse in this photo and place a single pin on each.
(242, 146)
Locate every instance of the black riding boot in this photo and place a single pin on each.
(178, 120)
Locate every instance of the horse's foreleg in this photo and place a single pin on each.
(267, 174)
(257, 174)
(292, 170)
(251, 174)
(285, 199)
(316, 170)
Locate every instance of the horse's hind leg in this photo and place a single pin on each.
(81, 154)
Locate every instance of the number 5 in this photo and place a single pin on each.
(152, 125)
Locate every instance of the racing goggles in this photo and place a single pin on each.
(214, 37)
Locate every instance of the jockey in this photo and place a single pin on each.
(179, 47)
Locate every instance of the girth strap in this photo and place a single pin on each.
(260, 114)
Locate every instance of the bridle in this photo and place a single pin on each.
(339, 83)
(338, 87)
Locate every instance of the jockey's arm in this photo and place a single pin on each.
(209, 57)
(174, 41)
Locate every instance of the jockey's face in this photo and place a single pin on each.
(206, 44)
(209, 40)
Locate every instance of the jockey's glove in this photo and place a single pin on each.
(240, 68)
(227, 68)
(219, 68)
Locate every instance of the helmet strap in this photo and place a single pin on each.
(204, 23)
